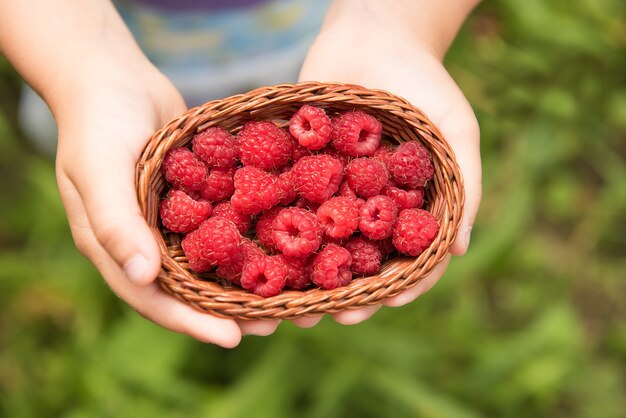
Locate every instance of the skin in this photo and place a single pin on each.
(93, 76)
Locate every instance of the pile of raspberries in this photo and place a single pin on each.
(311, 205)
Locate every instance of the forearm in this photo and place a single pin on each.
(55, 44)
(434, 23)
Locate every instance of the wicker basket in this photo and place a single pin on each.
(401, 122)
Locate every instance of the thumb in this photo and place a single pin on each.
(104, 179)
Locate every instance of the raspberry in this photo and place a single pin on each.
(385, 246)
(247, 251)
(356, 133)
(216, 147)
(382, 153)
(405, 199)
(338, 217)
(255, 190)
(288, 191)
(296, 232)
(181, 213)
(218, 185)
(227, 211)
(411, 165)
(302, 203)
(366, 176)
(214, 243)
(265, 228)
(263, 145)
(377, 217)
(346, 191)
(264, 276)
(298, 272)
(338, 155)
(317, 177)
(415, 230)
(331, 267)
(183, 170)
(311, 127)
(298, 151)
(366, 256)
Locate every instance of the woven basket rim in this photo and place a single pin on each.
(398, 274)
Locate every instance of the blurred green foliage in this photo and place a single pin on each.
(530, 323)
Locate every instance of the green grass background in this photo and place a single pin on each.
(530, 323)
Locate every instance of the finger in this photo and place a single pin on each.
(149, 301)
(419, 289)
(353, 317)
(104, 179)
(307, 321)
(261, 328)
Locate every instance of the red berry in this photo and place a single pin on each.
(183, 170)
(265, 227)
(405, 199)
(247, 251)
(378, 215)
(411, 165)
(338, 155)
(414, 231)
(216, 147)
(287, 188)
(263, 145)
(366, 176)
(303, 203)
(298, 151)
(296, 232)
(227, 211)
(218, 185)
(311, 127)
(298, 272)
(356, 133)
(264, 276)
(385, 246)
(338, 217)
(181, 213)
(331, 267)
(214, 243)
(366, 255)
(255, 190)
(317, 177)
(382, 153)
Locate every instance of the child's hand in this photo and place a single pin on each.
(369, 51)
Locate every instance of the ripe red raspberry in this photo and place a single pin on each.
(183, 170)
(311, 127)
(296, 232)
(247, 251)
(263, 145)
(317, 177)
(298, 272)
(366, 256)
(414, 231)
(405, 199)
(356, 133)
(338, 217)
(385, 246)
(411, 165)
(181, 213)
(331, 267)
(216, 147)
(338, 155)
(366, 176)
(265, 228)
(382, 153)
(378, 215)
(255, 190)
(218, 185)
(214, 243)
(227, 211)
(298, 151)
(303, 203)
(264, 276)
(287, 188)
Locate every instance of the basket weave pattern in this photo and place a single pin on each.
(401, 122)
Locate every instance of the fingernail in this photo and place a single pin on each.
(468, 235)
(135, 268)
